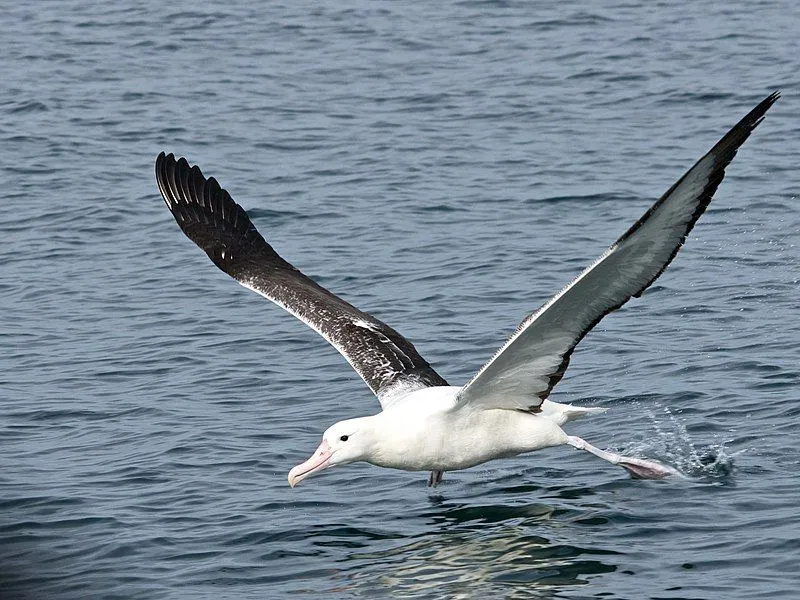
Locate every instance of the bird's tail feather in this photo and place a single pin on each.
(563, 413)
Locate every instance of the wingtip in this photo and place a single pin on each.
(206, 213)
(162, 158)
(768, 102)
(757, 114)
(771, 99)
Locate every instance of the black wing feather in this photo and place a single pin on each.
(388, 362)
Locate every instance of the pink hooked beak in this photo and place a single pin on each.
(321, 459)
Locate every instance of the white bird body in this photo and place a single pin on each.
(428, 431)
(503, 410)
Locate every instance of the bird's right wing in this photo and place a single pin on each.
(524, 371)
(385, 360)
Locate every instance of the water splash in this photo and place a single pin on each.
(671, 444)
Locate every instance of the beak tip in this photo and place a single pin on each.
(321, 459)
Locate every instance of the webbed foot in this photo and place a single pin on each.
(639, 468)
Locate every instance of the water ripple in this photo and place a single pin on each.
(447, 169)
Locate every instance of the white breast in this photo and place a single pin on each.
(426, 431)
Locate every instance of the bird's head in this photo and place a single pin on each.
(345, 442)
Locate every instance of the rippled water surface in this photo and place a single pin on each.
(446, 166)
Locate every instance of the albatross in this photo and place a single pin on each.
(424, 423)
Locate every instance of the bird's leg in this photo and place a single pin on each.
(435, 478)
(639, 468)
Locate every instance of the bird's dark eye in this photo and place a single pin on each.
(344, 438)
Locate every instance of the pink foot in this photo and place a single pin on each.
(646, 469)
(639, 468)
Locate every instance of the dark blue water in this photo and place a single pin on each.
(446, 166)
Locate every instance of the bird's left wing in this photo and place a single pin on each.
(385, 360)
(525, 370)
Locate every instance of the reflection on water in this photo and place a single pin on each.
(493, 550)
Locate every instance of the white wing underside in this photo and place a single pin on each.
(527, 367)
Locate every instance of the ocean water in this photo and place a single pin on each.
(447, 167)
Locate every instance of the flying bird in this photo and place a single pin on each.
(424, 423)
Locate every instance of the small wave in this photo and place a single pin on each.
(27, 106)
